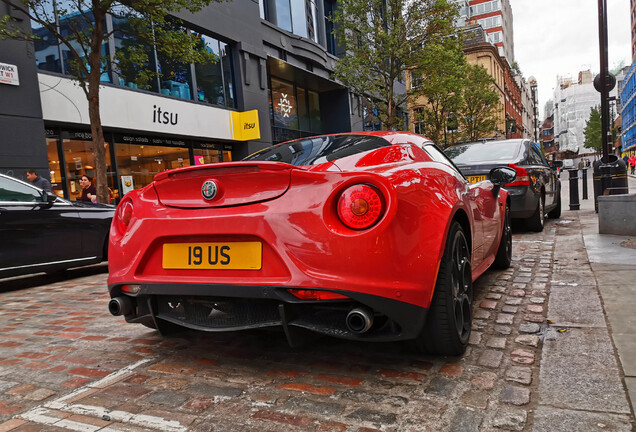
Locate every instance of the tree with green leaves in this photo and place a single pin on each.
(593, 130)
(443, 71)
(478, 113)
(80, 27)
(383, 39)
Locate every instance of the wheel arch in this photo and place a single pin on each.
(461, 217)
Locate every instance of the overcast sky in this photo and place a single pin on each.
(560, 38)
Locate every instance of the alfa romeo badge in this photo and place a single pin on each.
(209, 189)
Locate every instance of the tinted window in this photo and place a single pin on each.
(483, 152)
(534, 158)
(15, 191)
(437, 155)
(317, 150)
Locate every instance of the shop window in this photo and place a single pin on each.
(295, 111)
(303, 112)
(284, 105)
(314, 112)
(205, 153)
(79, 158)
(214, 80)
(56, 170)
(138, 164)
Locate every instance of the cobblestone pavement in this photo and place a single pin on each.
(67, 364)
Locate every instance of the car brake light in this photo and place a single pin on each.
(316, 294)
(124, 215)
(522, 176)
(360, 206)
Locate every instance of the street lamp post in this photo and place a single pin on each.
(604, 83)
(601, 83)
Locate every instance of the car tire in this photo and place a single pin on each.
(555, 213)
(536, 222)
(449, 320)
(504, 252)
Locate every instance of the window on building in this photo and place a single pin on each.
(418, 121)
(79, 159)
(283, 14)
(134, 58)
(47, 50)
(138, 164)
(52, 55)
(56, 170)
(495, 37)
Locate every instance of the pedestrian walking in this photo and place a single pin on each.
(581, 166)
(38, 181)
(632, 163)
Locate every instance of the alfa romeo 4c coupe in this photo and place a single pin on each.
(362, 236)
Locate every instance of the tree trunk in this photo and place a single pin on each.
(92, 93)
(98, 146)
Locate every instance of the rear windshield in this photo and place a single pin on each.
(483, 152)
(317, 150)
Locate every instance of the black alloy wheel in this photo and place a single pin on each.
(461, 281)
(504, 253)
(449, 320)
(536, 222)
(555, 213)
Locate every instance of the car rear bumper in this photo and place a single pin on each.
(523, 202)
(218, 308)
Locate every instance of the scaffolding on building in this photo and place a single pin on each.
(573, 103)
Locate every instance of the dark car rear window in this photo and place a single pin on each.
(483, 152)
(317, 150)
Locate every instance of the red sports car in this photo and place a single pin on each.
(364, 236)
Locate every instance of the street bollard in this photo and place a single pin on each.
(584, 183)
(574, 189)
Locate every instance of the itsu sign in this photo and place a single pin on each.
(9, 74)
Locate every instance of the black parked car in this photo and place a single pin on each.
(537, 188)
(41, 232)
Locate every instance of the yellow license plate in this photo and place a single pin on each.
(476, 179)
(218, 256)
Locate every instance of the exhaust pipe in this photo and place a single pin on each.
(359, 320)
(120, 306)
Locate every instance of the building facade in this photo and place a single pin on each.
(573, 102)
(495, 16)
(527, 108)
(480, 52)
(627, 91)
(269, 83)
(632, 8)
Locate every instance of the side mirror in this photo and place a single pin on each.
(48, 198)
(501, 176)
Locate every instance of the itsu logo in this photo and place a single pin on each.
(164, 117)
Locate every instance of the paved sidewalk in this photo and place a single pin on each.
(588, 370)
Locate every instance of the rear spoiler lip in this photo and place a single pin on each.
(260, 164)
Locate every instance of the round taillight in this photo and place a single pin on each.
(360, 206)
(124, 215)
